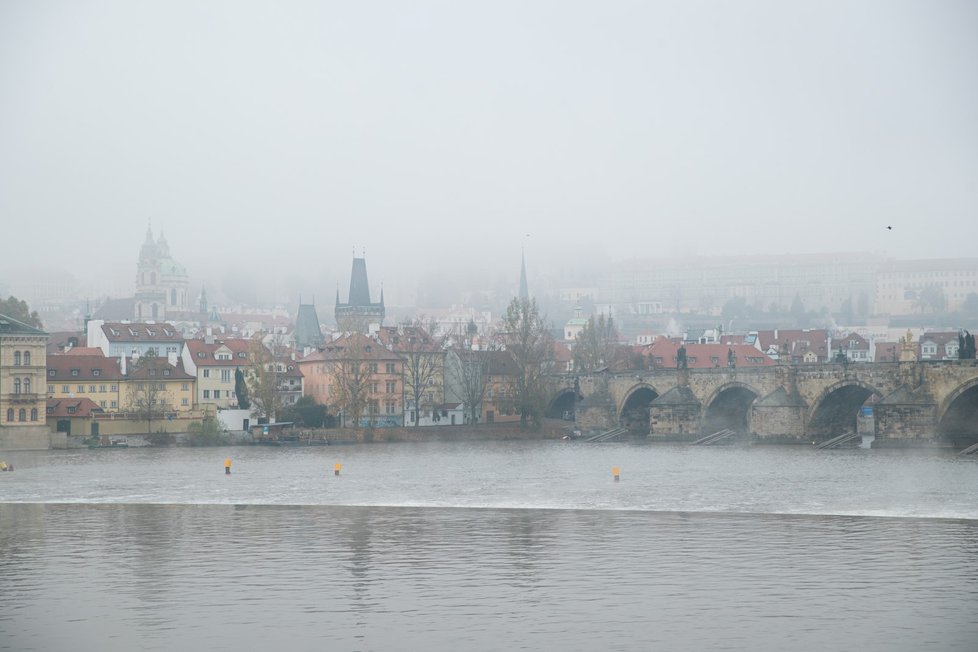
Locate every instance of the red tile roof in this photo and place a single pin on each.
(78, 368)
(664, 353)
(156, 369)
(71, 407)
(204, 354)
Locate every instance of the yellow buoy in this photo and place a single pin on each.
(336, 468)
(227, 466)
(615, 471)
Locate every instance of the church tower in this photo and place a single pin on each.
(358, 313)
(162, 284)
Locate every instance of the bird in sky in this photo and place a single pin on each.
(889, 228)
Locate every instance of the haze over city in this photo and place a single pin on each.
(269, 140)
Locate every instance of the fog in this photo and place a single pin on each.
(268, 140)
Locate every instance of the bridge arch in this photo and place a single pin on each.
(562, 405)
(634, 411)
(835, 410)
(957, 416)
(729, 406)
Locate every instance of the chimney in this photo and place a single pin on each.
(122, 364)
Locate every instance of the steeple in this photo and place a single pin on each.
(359, 312)
(524, 288)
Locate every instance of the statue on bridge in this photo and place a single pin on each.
(731, 359)
(681, 362)
(966, 345)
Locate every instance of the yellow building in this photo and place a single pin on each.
(153, 383)
(91, 376)
(22, 399)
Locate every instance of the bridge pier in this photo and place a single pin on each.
(905, 418)
(676, 416)
(779, 418)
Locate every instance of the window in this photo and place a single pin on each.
(201, 354)
(184, 386)
(391, 386)
(372, 367)
(101, 388)
(101, 404)
(22, 415)
(64, 388)
(217, 393)
(373, 388)
(51, 373)
(166, 372)
(71, 409)
(374, 407)
(81, 389)
(50, 389)
(74, 372)
(184, 401)
(241, 354)
(16, 385)
(391, 368)
(16, 358)
(207, 393)
(27, 363)
(390, 407)
(10, 414)
(225, 375)
(91, 389)
(207, 373)
(152, 372)
(114, 404)
(161, 386)
(113, 388)
(27, 385)
(96, 372)
(33, 414)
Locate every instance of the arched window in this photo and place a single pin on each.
(16, 358)
(10, 414)
(33, 414)
(27, 358)
(16, 385)
(27, 385)
(22, 414)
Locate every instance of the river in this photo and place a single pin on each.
(489, 546)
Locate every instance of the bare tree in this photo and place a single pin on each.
(468, 375)
(596, 345)
(263, 380)
(148, 399)
(529, 341)
(351, 377)
(423, 362)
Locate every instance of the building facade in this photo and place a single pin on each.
(23, 351)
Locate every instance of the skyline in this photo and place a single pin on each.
(269, 141)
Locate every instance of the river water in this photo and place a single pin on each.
(489, 546)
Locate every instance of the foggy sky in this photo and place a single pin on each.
(276, 136)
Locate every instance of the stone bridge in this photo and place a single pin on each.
(913, 403)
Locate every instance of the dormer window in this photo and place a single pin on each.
(96, 372)
(151, 333)
(167, 333)
(166, 372)
(71, 409)
(241, 354)
(74, 372)
(133, 333)
(152, 372)
(51, 373)
(201, 354)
